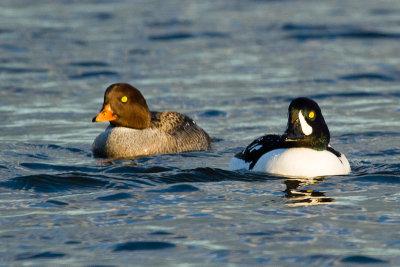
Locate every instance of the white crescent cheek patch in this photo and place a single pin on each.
(305, 127)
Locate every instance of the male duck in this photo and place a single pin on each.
(136, 131)
(302, 151)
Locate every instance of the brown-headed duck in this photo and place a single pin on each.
(136, 131)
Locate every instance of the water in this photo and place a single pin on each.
(234, 67)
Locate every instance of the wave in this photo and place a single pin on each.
(123, 177)
(367, 76)
(60, 178)
(186, 35)
(89, 64)
(143, 245)
(54, 183)
(93, 74)
(43, 255)
(21, 70)
(303, 32)
(169, 23)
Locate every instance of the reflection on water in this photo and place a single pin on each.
(303, 197)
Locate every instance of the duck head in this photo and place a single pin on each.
(306, 126)
(124, 106)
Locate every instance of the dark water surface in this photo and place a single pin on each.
(234, 66)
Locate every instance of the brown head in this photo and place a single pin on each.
(124, 106)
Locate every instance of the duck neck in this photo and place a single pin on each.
(140, 119)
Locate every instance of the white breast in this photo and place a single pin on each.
(302, 162)
(297, 162)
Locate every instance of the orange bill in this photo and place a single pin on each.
(105, 115)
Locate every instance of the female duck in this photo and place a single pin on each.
(302, 151)
(136, 131)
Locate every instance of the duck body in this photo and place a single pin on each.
(294, 162)
(135, 131)
(169, 132)
(302, 151)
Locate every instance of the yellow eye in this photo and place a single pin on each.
(311, 115)
(124, 99)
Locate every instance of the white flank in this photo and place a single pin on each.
(301, 162)
(305, 127)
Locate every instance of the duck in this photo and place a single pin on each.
(135, 131)
(303, 150)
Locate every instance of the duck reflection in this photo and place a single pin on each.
(300, 197)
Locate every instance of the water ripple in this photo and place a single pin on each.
(143, 245)
(138, 169)
(21, 70)
(92, 74)
(169, 23)
(186, 35)
(54, 183)
(359, 259)
(103, 16)
(367, 76)
(46, 255)
(177, 189)
(13, 48)
(57, 202)
(89, 64)
(306, 32)
(379, 177)
(84, 178)
(139, 51)
(116, 197)
(212, 175)
(57, 167)
(212, 113)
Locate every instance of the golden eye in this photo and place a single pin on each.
(124, 99)
(311, 115)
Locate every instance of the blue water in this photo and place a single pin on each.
(234, 67)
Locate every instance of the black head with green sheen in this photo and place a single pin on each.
(306, 126)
